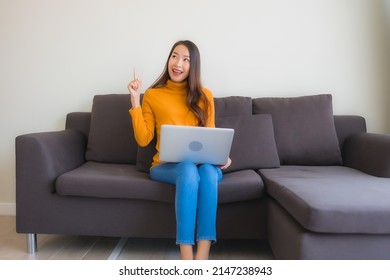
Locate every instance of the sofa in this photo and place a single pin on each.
(313, 184)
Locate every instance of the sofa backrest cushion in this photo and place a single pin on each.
(111, 138)
(304, 128)
(224, 106)
(253, 144)
(232, 106)
(145, 155)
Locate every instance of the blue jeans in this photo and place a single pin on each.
(196, 198)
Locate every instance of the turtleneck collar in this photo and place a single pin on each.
(176, 86)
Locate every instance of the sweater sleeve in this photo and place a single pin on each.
(211, 115)
(143, 123)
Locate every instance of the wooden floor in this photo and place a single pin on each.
(61, 247)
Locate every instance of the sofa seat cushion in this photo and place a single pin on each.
(240, 186)
(108, 180)
(104, 180)
(331, 199)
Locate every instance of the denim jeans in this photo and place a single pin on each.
(196, 198)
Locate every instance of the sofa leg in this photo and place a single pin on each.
(32, 243)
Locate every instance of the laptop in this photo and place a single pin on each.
(196, 144)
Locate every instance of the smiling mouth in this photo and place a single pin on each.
(177, 71)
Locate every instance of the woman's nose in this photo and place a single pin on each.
(178, 63)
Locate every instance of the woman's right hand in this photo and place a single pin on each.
(134, 88)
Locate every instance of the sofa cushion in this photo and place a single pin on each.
(232, 106)
(304, 128)
(145, 156)
(253, 144)
(331, 199)
(107, 180)
(111, 137)
(224, 106)
(240, 186)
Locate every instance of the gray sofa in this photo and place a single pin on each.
(315, 185)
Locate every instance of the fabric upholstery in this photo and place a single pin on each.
(107, 180)
(145, 156)
(331, 199)
(79, 121)
(111, 137)
(255, 131)
(241, 185)
(304, 128)
(347, 125)
(232, 106)
(289, 240)
(369, 152)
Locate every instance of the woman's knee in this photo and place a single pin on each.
(207, 168)
(210, 172)
(188, 168)
(187, 173)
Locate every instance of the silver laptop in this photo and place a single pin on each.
(195, 144)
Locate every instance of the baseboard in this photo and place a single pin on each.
(7, 209)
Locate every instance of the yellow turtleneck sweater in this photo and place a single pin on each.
(165, 105)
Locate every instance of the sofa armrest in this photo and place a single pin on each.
(40, 159)
(368, 152)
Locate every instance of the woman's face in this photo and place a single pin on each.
(179, 64)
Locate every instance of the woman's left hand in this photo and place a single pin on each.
(229, 162)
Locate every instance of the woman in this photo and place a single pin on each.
(178, 98)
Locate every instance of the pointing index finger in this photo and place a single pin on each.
(135, 75)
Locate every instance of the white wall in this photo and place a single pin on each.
(55, 55)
